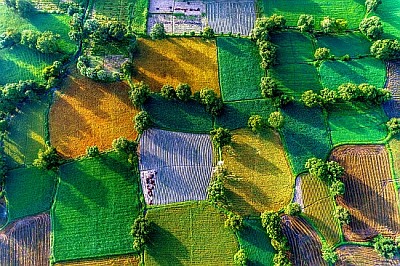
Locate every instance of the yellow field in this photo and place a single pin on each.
(114, 261)
(261, 177)
(177, 60)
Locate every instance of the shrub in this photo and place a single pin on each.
(337, 188)
(306, 23)
(256, 123)
(348, 92)
(393, 125)
(122, 144)
(386, 49)
(385, 246)
(221, 137)
(158, 31)
(280, 259)
(276, 120)
(48, 159)
(52, 71)
(29, 38)
(92, 151)
(183, 92)
(139, 93)
(234, 221)
(293, 209)
(310, 98)
(208, 32)
(267, 51)
(322, 53)
(24, 7)
(271, 221)
(342, 214)
(47, 42)
(140, 231)
(168, 92)
(240, 258)
(268, 87)
(372, 5)
(371, 27)
(212, 102)
(328, 253)
(9, 38)
(3, 125)
(328, 25)
(142, 121)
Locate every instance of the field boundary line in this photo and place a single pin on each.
(393, 172)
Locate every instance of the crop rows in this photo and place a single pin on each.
(392, 107)
(365, 256)
(46, 5)
(26, 242)
(369, 187)
(107, 261)
(303, 240)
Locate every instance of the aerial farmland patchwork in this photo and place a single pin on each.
(204, 132)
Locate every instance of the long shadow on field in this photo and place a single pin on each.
(252, 194)
(165, 248)
(309, 5)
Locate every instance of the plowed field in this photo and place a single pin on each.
(365, 256)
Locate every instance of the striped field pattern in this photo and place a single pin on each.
(392, 107)
(365, 256)
(182, 164)
(370, 193)
(26, 242)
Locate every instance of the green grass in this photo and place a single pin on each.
(351, 10)
(254, 240)
(357, 123)
(191, 233)
(27, 134)
(178, 115)
(296, 78)
(366, 70)
(293, 47)
(239, 69)
(29, 191)
(96, 203)
(236, 114)
(389, 12)
(353, 44)
(305, 135)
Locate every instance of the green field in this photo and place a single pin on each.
(236, 114)
(389, 12)
(29, 191)
(27, 134)
(305, 135)
(357, 123)
(254, 240)
(96, 203)
(351, 10)
(394, 150)
(366, 70)
(178, 115)
(296, 78)
(293, 47)
(353, 44)
(191, 233)
(239, 69)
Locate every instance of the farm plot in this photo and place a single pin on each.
(303, 240)
(260, 174)
(369, 186)
(237, 17)
(108, 261)
(236, 114)
(351, 10)
(319, 207)
(392, 107)
(389, 13)
(175, 166)
(189, 234)
(239, 69)
(96, 203)
(27, 133)
(366, 70)
(29, 191)
(353, 44)
(26, 242)
(357, 123)
(359, 255)
(295, 79)
(394, 149)
(130, 12)
(254, 240)
(293, 47)
(179, 60)
(78, 119)
(46, 5)
(305, 135)
(178, 116)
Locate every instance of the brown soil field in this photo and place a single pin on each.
(26, 242)
(370, 194)
(365, 256)
(112, 261)
(260, 176)
(89, 113)
(304, 241)
(178, 60)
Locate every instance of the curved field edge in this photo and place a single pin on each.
(360, 255)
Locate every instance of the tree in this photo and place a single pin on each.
(47, 42)
(29, 38)
(208, 32)
(310, 98)
(158, 32)
(47, 159)
(256, 123)
(24, 7)
(268, 87)
(92, 151)
(142, 121)
(267, 51)
(386, 247)
(306, 23)
(11, 3)
(342, 214)
(266, 25)
(371, 27)
(139, 93)
(52, 71)
(271, 221)
(348, 92)
(393, 125)
(386, 49)
(168, 92)
(9, 38)
(140, 231)
(216, 191)
(337, 188)
(240, 258)
(280, 259)
(293, 209)
(372, 5)
(327, 97)
(183, 92)
(122, 144)
(234, 221)
(328, 253)
(210, 99)
(116, 31)
(322, 53)
(276, 120)
(316, 167)
(328, 25)
(221, 137)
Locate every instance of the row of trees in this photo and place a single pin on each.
(23, 7)
(257, 123)
(96, 72)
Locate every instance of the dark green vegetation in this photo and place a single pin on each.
(29, 191)
(389, 12)
(96, 203)
(239, 69)
(293, 47)
(353, 44)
